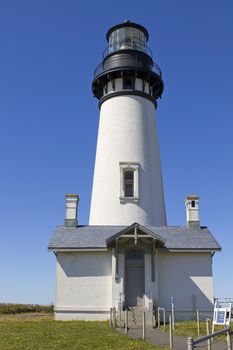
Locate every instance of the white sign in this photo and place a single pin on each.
(222, 315)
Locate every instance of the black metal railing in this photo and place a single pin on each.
(116, 63)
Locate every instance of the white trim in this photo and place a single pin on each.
(106, 249)
(58, 308)
(192, 250)
(135, 168)
(77, 249)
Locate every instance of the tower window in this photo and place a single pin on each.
(128, 83)
(128, 183)
(193, 204)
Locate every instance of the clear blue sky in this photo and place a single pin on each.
(49, 122)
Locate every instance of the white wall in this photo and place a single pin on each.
(127, 133)
(84, 285)
(188, 278)
(87, 289)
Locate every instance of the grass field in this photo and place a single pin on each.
(41, 332)
(189, 329)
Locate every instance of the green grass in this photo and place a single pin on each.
(29, 333)
(189, 329)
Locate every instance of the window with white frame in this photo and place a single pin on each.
(129, 182)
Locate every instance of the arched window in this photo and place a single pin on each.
(129, 183)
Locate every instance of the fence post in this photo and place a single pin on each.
(164, 320)
(190, 343)
(114, 317)
(208, 332)
(110, 321)
(229, 343)
(120, 316)
(143, 325)
(173, 317)
(170, 332)
(198, 324)
(126, 321)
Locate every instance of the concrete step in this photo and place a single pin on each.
(135, 318)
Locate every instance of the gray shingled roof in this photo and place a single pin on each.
(90, 237)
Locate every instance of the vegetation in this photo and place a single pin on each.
(41, 332)
(189, 329)
(22, 308)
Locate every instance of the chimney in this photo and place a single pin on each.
(71, 210)
(192, 211)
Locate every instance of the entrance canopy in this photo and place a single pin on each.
(136, 232)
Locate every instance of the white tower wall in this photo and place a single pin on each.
(127, 133)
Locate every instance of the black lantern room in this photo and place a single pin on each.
(127, 57)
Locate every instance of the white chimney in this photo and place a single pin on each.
(71, 210)
(192, 211)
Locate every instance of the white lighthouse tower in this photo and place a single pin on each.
(127, 185)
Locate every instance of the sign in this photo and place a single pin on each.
(222, 315)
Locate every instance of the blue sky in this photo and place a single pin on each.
(49, 121)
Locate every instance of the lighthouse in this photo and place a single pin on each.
(127, 184)
(127, 258)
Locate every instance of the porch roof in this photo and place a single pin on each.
(99, 237)
(136, 231)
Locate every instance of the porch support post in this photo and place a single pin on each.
(153, 261)
(116, 257)
(135, 235)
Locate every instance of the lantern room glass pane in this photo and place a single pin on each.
(127, 38)
(135, 34)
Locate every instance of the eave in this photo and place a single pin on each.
(193, 250)
(77, 249)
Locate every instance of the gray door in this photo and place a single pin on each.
(134, 278)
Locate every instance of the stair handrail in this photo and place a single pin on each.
(193, 342)
(162, 309)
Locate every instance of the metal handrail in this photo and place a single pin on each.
(192, 342)
(164, 317)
